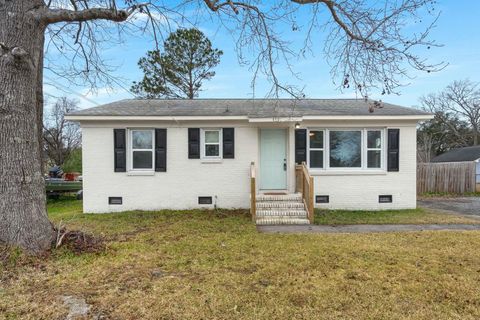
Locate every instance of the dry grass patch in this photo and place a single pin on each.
(208, 265)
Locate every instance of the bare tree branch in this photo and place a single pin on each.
(49, 16)
(366, 45)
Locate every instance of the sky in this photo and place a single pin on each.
(457, 30)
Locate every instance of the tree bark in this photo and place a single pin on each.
(475, 135)
(23, 216)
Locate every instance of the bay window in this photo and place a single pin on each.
(346, 149)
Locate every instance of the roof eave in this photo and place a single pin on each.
(418, 117)
(250, 119)
(164, 118)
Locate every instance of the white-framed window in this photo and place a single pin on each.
(211, 144)
(141, 153)
(317, 148)
(346, 149)
(374, 149)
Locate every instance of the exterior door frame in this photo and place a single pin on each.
(286, 157)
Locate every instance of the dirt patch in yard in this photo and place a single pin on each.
(80, 242)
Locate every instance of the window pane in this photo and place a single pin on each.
(345, 149)
(316, 159)
(316, 139)
(374, 139)
(142, 159)
(212, 150)
(212, 137)
(142, 139)
(374, 159)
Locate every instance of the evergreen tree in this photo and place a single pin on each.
(178, 72)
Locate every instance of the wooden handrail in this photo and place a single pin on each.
(253, 191)
(306, 187)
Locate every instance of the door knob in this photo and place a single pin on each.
(284, 164)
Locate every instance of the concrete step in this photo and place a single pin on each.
(281, 220)
(280, 205)
(293, 197)
(282, 213)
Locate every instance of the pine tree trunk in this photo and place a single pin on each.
(23, 217)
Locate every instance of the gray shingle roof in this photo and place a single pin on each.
(460, 154)
(253, 108)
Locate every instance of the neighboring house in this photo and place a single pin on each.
(181, 154)
(467, 154)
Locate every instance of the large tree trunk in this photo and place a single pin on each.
(23, 217)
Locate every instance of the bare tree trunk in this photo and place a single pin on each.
(23, 216)
(40, 106)
(475, 135)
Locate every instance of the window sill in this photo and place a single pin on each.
(347, 172)
(141, 173)
(205, 160)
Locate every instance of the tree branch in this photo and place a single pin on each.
(49, 16)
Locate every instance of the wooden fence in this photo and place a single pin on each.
(448, 177)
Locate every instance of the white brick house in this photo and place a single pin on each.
(181, 154)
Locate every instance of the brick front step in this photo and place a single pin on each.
(280, 205)
(281, 220)
(280, 197)
(282, 213)
(281, 209)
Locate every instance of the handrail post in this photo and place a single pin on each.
(307, 188)
(253, 191)
(312, 207)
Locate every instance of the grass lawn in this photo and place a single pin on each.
(415, 216)
(214, 265)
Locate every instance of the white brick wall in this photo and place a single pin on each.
(358, 191)
(179, 187)
(228, 182)
(361, 191)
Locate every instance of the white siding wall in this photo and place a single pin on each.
(228, 182)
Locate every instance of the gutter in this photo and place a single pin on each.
(371, 117)
(149, 118)
(250, 119)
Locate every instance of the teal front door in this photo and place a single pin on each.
(273, 159)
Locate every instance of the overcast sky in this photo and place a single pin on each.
(458, 29)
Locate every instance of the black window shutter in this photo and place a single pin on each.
(161, 150)
(193, 143)
(228, 143)
(393, 149)
(119, 150)
(300, 145)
